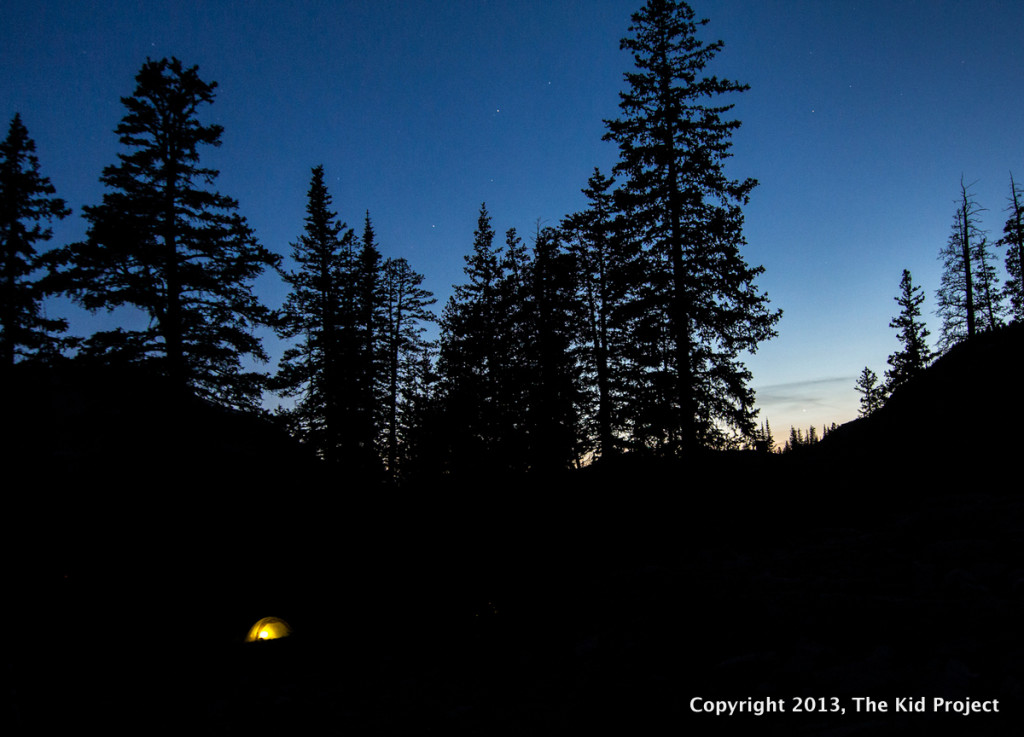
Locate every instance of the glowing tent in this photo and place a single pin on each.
(268, 628)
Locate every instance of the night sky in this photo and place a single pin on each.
(861, 120)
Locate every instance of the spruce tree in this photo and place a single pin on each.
(673, 142)
(470, 358)
(914, 354)
(1013, 241)
(406, 312)
(366, 418)
(969, 299)
(796, 440)
(763, 441)
(553, 389)
(767, 437)
(314, 370)
(872, 393)
(425, 447)
(607, 278)
(165, 242)
(26, 201)
(514, 375)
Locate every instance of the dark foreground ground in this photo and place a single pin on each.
(143, 536)
(506, 617)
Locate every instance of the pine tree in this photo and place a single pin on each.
(991, 294)
(767, 437)
(315, 370)
(553, 397)
(968, 297)
(425, 445)
(607, 279)
(366, 420)
(406, 313)
(914, 355)
(26, 200)
(164, 242)
(872, 393)
(762, 440)
(673, 144)
(515, 314)
(796, 440)
(470, 357)
(1013, 241)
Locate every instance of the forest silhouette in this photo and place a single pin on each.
(560, 514)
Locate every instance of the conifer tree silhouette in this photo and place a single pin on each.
(26, 202)
(914, 354)
(1013, 241)
(318, 313)
(673, 141)
(968, 297)
(608, 280)
(163, 241)
(470, 358)
(871, 391)
(406, 312)
(553, 388)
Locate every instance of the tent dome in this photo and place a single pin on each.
(268, 628)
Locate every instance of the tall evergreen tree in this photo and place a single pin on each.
(991, 294)
(607, 279)
(406, 313)
(26, 201)
(470, 359)
(1013, 241)
(513, 376)
(553, 402)
(914, 354)
(314, 370)
(166, 243)
(968, 297)
(673, 145)
(366, 420)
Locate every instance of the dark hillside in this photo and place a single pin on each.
(963, 416)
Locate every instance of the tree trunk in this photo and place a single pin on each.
(966, 255)
(171, 322)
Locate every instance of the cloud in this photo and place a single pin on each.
(814, 401)
(804, 389)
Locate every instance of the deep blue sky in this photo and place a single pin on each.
(861, 119)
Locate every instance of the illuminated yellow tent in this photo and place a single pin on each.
(268, 628)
